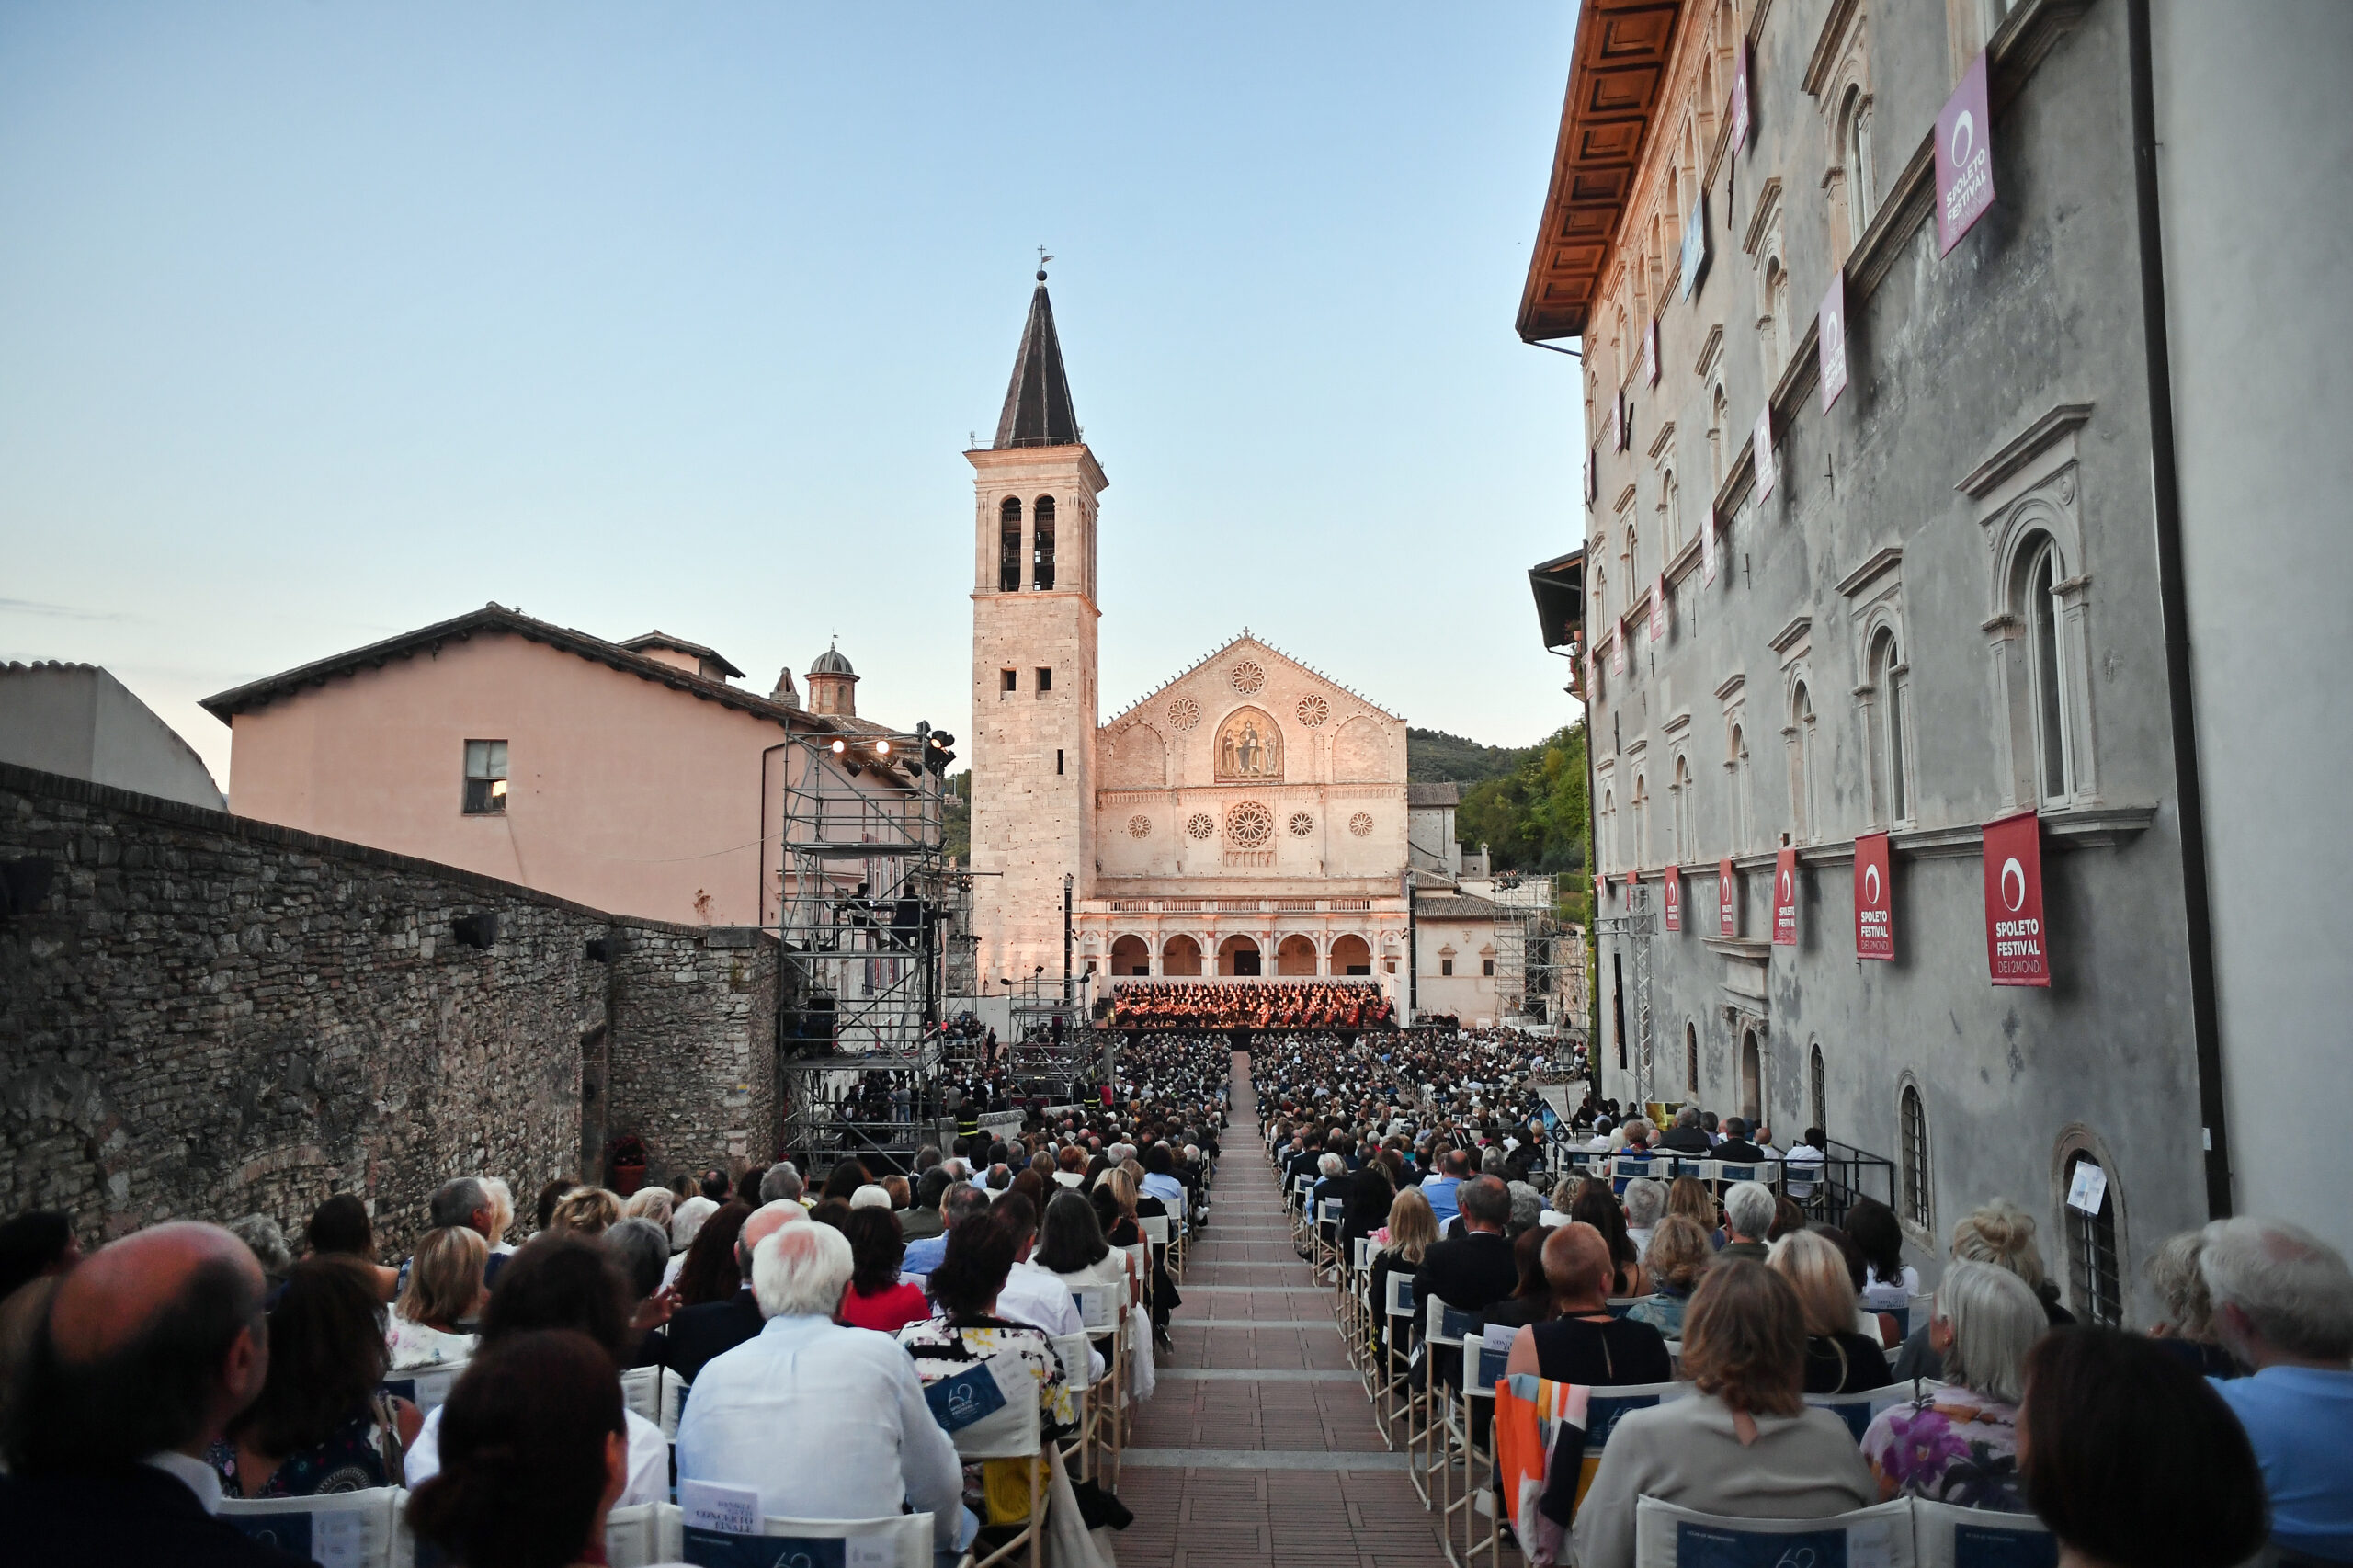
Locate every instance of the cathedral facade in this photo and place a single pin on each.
(1251, 817)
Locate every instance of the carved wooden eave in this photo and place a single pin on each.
(1617, 85)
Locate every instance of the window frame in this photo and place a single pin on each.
(1915, 1170)
(2095, 1283)
(491, 800)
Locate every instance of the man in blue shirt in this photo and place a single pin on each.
(959, 1202)
(2283, 1305)
(1439, 1189)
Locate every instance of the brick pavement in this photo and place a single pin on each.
(1259, 1447)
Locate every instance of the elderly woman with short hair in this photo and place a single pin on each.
(1959, 1443)
(1744, 1444)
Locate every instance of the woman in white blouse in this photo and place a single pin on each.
(445, 1291)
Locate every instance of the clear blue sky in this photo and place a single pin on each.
(321, 321)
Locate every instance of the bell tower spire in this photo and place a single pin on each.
(1034, 697)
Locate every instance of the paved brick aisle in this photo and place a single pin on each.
(1260, 1446)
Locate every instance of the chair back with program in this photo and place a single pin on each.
(901, 1540)
(351, 1529)
(644, 1534)
(424, 1387)
(1947, 1537)
(1667, 1536)
(1859, 1409)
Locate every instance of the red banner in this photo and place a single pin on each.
(1727, 900)
(1874, 900)
(1670, 884)
(2016, 945)
(1658, 608)
(1964, 157)
(1785, 899)
(1600, 892)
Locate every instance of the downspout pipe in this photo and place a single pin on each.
(2205, 1018)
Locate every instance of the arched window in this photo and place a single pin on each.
(2094, 1276)
(1692, 1060)
(1890, 720)
(1915, 1171)
(1773, 326)
(1600, 616)
(1609, 830)
(2054, 773)
(1642, 823)
(1802, 822)
(1736, 763)
(1719, 417)
(1684, 848)
(1855, 152)
(1042, 542)
(1670, 507)
(1008, 555)
(1817, 1089)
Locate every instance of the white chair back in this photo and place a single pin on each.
(1947, 1537)
(641, 1391)
(1493, 1348)
(644, 1534)
(1141, 1255)
(1154, 1228)
(900, 1540)
(1075, 1353)
(424, 1387)
(1400, 1293)
(1360, 1257)
(1666, 1536)
(1604, 1406)
(1444, 1324)
(1328, 1212)
(350, 1529)
(1859, 1409)
(1011, 1433)
(1098, 1306)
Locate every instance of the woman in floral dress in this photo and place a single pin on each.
(1958, 1444)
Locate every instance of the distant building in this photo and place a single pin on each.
(1250, 817)
(79, 720)
(633, 777)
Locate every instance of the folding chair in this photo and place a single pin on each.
(1666, 1536)
(424, 1387)
(1103, 1309)
(1443, 1327)
(1857, 1410)
(1947, 1537)
(1624, 1168)
(1397, 1309)
(1155, 1228)
(1356, 1305)
(903, 1540)
(1076, 1352)
(1485, 1356)
(657, 1393)
(1012, 1433)
(361, 1529)
(644, 1534)
(1328, 1215)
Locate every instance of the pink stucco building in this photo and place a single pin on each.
(632, 777)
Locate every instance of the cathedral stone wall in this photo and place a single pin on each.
(209, 1017)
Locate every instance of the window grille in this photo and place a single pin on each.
(2094, 1274)
(1916, 1158)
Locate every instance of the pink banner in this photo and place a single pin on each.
(1964, 158)
(1671, 896)
(1650, 353)
(1761, 448)
(1727, 899)
(1830, 337)
(1874, 900)
(1740, 97)
(1785, 899)
(1658, 608)
(1707, 547)
(2016, 945)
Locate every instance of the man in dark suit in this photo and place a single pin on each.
(149, 1348)
(1736, 1147)
(1472, 1269)
(1686, 1137)
(701, 1333)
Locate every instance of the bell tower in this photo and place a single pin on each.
(1033, 663)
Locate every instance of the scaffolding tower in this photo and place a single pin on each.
(1540, 963)
(1053, 1047)
(869, 914)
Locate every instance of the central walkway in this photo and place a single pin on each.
(1260, 1446)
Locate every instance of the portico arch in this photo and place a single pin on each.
(1238, 955)
(1351, 955)
(1130, 955)
(1295, 955)
(1180, 955)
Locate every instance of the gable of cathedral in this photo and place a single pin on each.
(1249, 715)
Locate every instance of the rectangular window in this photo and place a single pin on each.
(1008, 559)
(1007, 680)
(1445, 966)
(486, 778)
(1058, 759)
(1487, 967)
(1045, 680)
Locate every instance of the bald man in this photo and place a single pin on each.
(697, 1334)
(1584, 1343)
(149, 1348)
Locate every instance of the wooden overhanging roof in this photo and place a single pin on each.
(1617, 77)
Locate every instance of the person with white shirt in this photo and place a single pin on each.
(802, 1373)
(563, 1281)
(1034, 1295)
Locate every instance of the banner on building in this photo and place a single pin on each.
(1739, 110)
(1707, 547)
(1695, 245)
(1964, 158)
(1727, 899)
(1785, 899)
(1625, 425)
(1830, 338)
(1600, 892)
(1670, 884)
(1761, 448)
(1874, 900)
(2016, 943)
(1658, 608)
(1618, 650)
(1650, 353)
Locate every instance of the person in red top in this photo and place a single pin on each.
(875, 1299)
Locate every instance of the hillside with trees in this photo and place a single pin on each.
(1529, 805)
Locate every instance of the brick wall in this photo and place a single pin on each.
(211, 1016)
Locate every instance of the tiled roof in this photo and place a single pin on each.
(1440, 794)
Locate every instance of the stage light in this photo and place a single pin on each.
(840, 746)
(882, 747)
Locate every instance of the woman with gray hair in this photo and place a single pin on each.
(1958, 1444)
(2186, 1329)
(1646, 1203)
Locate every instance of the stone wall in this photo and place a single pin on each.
(210, 1016)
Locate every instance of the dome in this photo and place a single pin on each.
(830, 663)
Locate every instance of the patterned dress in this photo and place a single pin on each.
(353, 1458)
(1953, 1445)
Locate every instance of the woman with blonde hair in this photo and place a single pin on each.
(1838, 1359)
(1744, 1443)
(1412, 1231)
(1686, 1197)
(653, 1203)
(444, 1291)
(585, 1211)
(1680, 1254)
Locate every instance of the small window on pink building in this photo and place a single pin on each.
(486, 778)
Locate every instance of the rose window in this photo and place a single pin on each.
(1301, 824)
(1312, 710)
(1249, 825)
(1248, 677)
(1361, 824)
(1183, 713)
(1200, 825)
(1139, 826)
